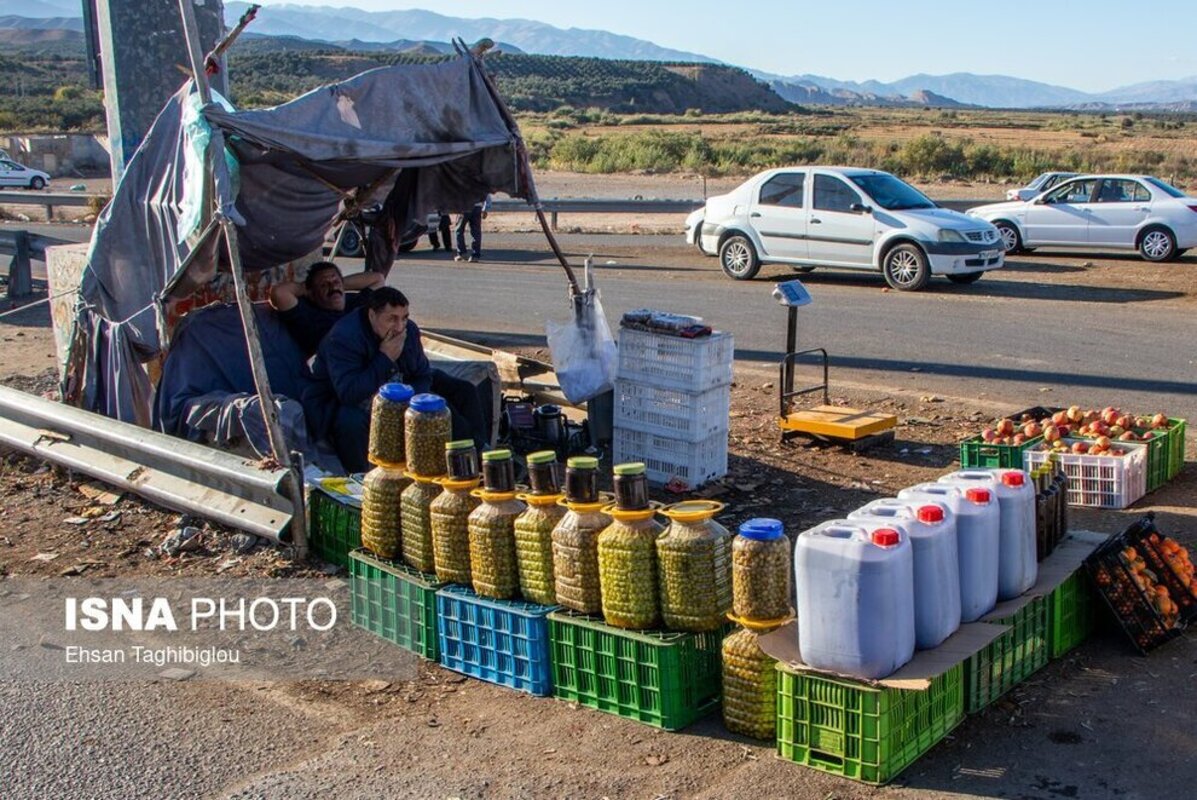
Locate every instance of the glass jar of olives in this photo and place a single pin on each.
(575, 539)
(416, 511)
(627, 554)
(694, 561)
(534, 529)
(387, 446)
(749, 686)
(493, 564)
(428, 426)
(762, 586)
(382, 526)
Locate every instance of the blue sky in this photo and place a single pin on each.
(1094, 45)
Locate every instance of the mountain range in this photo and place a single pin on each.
(49, 22)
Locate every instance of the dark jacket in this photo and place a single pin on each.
(350, 367)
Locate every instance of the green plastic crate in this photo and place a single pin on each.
(1176, 446)
(336, 528)
(1159, 460)
(976, 453)
(1072, 614)
(859, 731)
(1010, 658)
(665, 679)
(394, 601)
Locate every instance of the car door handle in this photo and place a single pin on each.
(816, 221)
(1142, 208)
(755, 214)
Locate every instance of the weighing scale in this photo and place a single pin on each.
(849, 427)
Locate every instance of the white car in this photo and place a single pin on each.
(14, 174)
(1041, 184)
(842, 217)
(1119, 212)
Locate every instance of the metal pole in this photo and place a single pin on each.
(787, 384)
(196, 55)
(20, 271)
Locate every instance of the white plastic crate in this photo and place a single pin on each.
(691, 416)
(1099, 481)
(667, 459)
(692, 365)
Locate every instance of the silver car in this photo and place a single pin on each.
(1041, 184)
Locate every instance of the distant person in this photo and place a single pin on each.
(370, 346)
(310, 309)
(473, 218)
(439, 222)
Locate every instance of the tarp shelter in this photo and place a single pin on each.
(425, 137)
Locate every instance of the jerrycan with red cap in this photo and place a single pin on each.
(1018, 567)
(932, 530)
(978, 540)
(855, 597)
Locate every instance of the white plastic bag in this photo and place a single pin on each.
(583, 349)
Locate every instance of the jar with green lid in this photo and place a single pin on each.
(762, 587)
(534, 530)
(429, 427)
(382, 526)
(387, 447)
(627, 555)
(416, 511)
(749, 686)
(461, 460)
(449, 515)
(493, 565)
(694, 561)
(575, 539)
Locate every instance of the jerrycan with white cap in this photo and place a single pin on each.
(855, 597)
(932, 530)
(1018, 566)
(978, 540)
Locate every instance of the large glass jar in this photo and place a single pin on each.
(694, 560)
(449, 515)
(382, 526)
(762, 587)
(749, 686)
(627, 554)
(575, 539)
(493, 565)
(429, 427)
(416, 511)
(387, 447)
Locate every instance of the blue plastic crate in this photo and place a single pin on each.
(500, 641)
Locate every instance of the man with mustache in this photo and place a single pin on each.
(310, 309)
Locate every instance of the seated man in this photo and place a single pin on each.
(370, 346)
(310, 309)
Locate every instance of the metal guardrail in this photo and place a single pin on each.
(48, 199)
(24, 247)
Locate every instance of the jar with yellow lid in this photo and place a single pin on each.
(493, 565)
(575, 538)
(449, 513)
(382, 523)
(694, 561)
(627, 554)
(534, 529)
(387, 447)
(416, 512)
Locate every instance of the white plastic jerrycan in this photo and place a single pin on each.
(1018, 567)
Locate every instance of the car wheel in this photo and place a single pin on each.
(37, 183)
(1157, 244)
(905, 268)
(1011, 239)
(738, 258)
(351, 243)
(966, 277)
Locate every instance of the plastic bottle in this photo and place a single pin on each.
(978, 541)
(449, 513)
(1017, 566)
(762, 586)
(386, 446)
(749, 686)
(575, 539)
(694, 561)
(534, 529)
(493, 567)
(855, 596)
(428, 427)
(627, 554)
(382, 522)
(416, 512)
(931, 527)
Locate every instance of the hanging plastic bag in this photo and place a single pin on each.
(584, 355)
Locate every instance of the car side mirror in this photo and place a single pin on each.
(860, 208)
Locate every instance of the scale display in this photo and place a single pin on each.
(792, 293)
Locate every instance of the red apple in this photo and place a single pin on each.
(1060, 417)
(1080, 448)
(1129, 436)
(1031, 430)
(1005, 427)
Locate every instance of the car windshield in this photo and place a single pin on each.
(1166, 188)
(891, 193)
(1039, 180)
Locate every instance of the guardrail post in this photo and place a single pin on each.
(20, 272)
(553, 220)
(49, 213)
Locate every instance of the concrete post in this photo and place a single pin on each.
(143, 55)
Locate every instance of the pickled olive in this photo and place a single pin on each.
(627, 557)
(382, 490)
(387, 411)
(534, 551)
(694, 561)
(761, 582)
(575, 559)
(749, 687)
(415, 510)
(493, 567)
(428, 426)
(449, 514)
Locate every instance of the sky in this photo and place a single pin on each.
(1094, 45)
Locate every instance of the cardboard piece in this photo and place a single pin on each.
(1066, 559)
(917, 674)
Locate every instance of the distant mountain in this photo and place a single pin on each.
(42, 8)
(994, 91)
(261, 43)
(812, 94)
(1178, 91)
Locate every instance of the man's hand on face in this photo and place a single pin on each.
(392, 344)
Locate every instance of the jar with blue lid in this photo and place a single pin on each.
(761, 581)
(387, 446)
(429, 427)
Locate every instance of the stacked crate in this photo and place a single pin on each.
(672, 397)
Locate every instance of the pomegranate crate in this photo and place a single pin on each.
(668, 459)
(692, 365)
(1099, 481)
(690, 416)
(1176, 446)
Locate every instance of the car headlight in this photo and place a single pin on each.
(948, 235)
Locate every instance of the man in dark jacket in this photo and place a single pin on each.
(310, 309)
(371, 346)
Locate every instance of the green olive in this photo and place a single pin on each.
(627, 557)
(694, 559)
(449, 515)
(415, 505)
(761, 583)
(749, 686)
(426, 434)
(534, 552)
(575, 561)
(382, 490)
(493, 564)
(386, 431)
